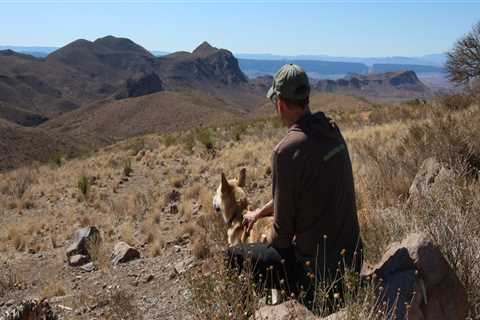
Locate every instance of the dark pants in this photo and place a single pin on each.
(273, 268)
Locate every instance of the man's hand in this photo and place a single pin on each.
(249, 219)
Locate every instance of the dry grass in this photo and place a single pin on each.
(387, 145)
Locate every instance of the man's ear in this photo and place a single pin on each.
(242, 178)
(225, 185)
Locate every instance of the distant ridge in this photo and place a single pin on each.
(402, 84)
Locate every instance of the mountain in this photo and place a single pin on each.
(105, 122)
(402, 85)
(84, 72)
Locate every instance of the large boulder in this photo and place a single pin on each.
(122, 253)
(430, 171)
(82, 238)
(416, 281)
(289, 310)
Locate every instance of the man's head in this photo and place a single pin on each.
(290, 93)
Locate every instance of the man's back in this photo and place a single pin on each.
(313, 192)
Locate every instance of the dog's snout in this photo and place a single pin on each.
(217, 209)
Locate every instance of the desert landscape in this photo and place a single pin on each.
(110, 156)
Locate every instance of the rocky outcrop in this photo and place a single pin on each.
(123, 253)
(417, 283)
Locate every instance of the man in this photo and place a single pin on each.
(315, 232)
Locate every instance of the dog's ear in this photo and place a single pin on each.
(242, 178)
(225, 185)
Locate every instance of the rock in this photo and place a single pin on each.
(30, 309)
(430, 171)
(289, 310)
(78, 260)
(81, 239)
(184, 265)
(172, 208)
(88, 267)
(415, 272)
(340, 315)
(122, 253)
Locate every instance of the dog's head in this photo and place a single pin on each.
(230, 197)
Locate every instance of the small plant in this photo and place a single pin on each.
(169, 140)
(57, 158)
(84, 185)
(127, 168)
(189, 143)
(206, 138)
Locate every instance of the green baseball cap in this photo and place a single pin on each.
(290, 82)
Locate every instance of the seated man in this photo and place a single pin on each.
(315, 232)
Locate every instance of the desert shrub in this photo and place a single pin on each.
(53, 289)
(169, 140)
(206, 137)
(454, 102)
(122, 306)
(57, 158)
(84, 185)
(189, 143)
(9, 280)
(135, 146)
(20, 182)
(127, 167)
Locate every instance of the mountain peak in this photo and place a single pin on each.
(120, 44)
(204, 49)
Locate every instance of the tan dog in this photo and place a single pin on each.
(231, 201)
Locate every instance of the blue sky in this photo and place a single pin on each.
(346, 28)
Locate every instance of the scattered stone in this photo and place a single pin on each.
(415, 273)
(81, 239)
(289, 310)
(122, 253)
(78, 260)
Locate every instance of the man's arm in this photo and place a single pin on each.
(251, 217)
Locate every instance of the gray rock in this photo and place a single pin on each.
(122, 253)
(430, 171)
(414, 272)
(78, 260)
(88, 267)
(289, 310)
(82, 238)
